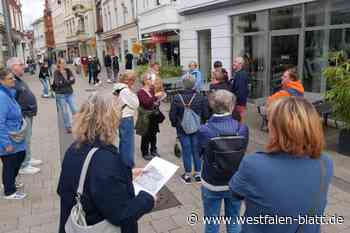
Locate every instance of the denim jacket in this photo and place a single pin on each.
(11, 120)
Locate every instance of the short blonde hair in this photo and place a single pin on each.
(98, 118)
(295, 128)
(127, 75)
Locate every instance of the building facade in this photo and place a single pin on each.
(3, 38)
(271, 35)
(159, 26)
(49, 34)
(59, 29)
(29, 43)
(39, 41)
(17, 28)
(119, 26)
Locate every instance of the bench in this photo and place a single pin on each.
(323, 108)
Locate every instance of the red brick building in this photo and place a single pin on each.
(49, 34)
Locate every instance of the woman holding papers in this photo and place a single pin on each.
(108, 192)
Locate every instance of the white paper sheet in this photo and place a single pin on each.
(156, 174)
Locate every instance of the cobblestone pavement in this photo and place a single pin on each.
(39, 212)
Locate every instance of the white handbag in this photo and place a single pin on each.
(76, 222)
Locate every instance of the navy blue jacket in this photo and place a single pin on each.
(240, 87)
(225, 125)
(25, 98)
(199, 106)
(108, 191)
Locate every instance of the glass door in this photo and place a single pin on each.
(252, 49)
(284, 54)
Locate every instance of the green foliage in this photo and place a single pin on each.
(338, 79)
(165, 71)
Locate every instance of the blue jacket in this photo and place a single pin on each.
(199, 84)
(279, 184)
(240, 87)
(108, 191)
(224, 125)
(199, 106)
(11, 120)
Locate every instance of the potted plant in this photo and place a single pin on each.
(338, 94)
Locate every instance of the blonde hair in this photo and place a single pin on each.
(98, 118)
(60, 61)
(295, 128)
(127, 75)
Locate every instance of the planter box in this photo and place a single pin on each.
(344, 142)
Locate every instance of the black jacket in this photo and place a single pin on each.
(108, 61)
(44, 72)
(25, 98)
(108, 191)
(116, 63)
(62, 85)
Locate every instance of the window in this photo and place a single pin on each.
(116, 12)
(286, 17)
(315, 14)
(250, 22)
(340, 12)
(340, 40)
(158, 2)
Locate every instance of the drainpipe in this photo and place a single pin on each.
(7, 18)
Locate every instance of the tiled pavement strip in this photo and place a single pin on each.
(39, 212)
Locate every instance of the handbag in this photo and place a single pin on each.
(76, 222)
(158, 116)
(20, 135)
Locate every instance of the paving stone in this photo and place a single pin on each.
(164, 225)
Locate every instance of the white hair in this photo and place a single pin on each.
(240, 60)
(14, 61)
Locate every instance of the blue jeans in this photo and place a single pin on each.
(127, 141)
(212, 205)
(28, 139)
(189, 144)
(63, 102)
(45, 84)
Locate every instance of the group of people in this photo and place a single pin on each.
(18, 109)
(282, 180)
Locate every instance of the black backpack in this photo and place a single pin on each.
(224, 154)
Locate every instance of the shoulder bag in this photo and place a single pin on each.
(76, 222)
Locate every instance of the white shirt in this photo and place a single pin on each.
(130, 99)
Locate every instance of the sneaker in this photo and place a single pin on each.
(19, 185)
(155, 154)
(197, 178)
(35, 162)
(186, 179)
(29, 170)
(147, 157)
(109, 81)
(15, 196)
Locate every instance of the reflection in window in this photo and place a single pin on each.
(315, 60)
(252, 49)
(250, 22)
(340, 11)
(286, 17)
(340, 40)
(315, 14)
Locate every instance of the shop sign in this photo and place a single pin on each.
(159, 37)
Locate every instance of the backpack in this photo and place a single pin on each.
(191, 122)
(224, 154)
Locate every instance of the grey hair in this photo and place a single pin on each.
(14, 61)
(240, 60)
(188, 81)
(222, 101)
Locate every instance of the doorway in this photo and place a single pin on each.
(204, 54)
(285, 54)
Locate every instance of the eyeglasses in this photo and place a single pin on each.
(10, 78)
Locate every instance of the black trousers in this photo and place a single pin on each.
(11, 165)
(146, 140)
(96, 79)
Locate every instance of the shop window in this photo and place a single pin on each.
(340, 12)
(340, 40)
(315, 60)
(250, 22)
(315, 14)
(286, 17)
